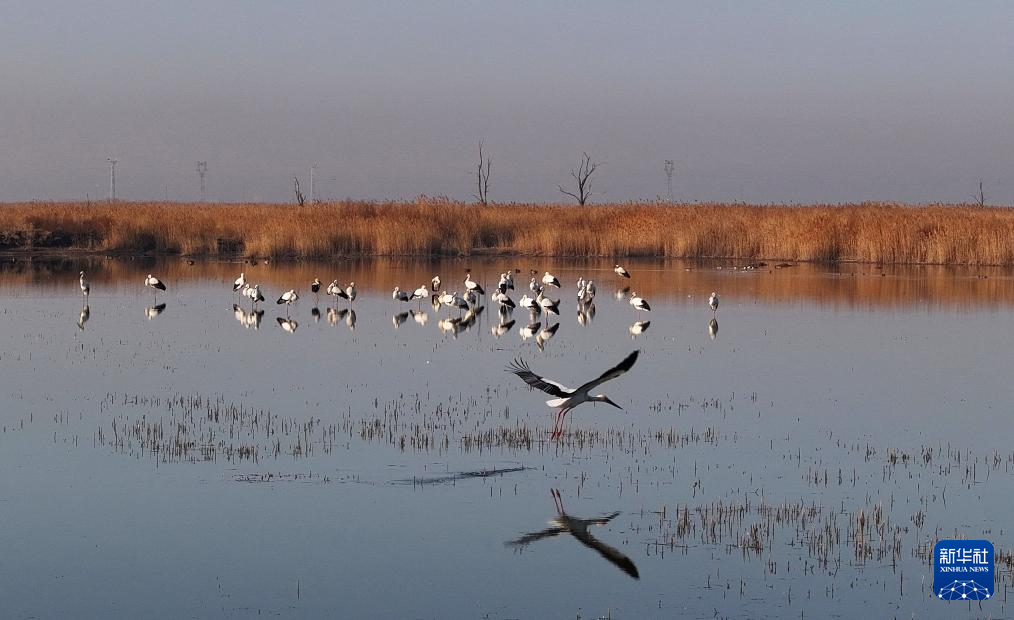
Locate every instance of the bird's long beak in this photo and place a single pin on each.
(606, 400)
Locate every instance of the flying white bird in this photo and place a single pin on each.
(567, 398)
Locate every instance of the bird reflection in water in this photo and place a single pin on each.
(713, 328)
(288, 325)
(585, 314)
(248, 319)
(315, 313)
(399, 318)
(420, 316)
(638, 328)
(563, 523)
(83, 317)
(621, 293)
(543, 336)
(350, 320)
(153, 311)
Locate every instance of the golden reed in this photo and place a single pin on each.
(864, 232)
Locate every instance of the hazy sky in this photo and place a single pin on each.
(780, 101)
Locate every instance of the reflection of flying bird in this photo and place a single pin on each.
(86, 286)
(288, 325)
(620, 271)
(578, 528)
(153, 311)
(567, 398)
(713, 328)
(83, 317)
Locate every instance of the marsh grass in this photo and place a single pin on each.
(864, 232)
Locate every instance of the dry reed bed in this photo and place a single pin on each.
(866, 232)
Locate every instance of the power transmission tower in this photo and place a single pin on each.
(313, 197)
(202, 169)
(670, 168)
(112, 177)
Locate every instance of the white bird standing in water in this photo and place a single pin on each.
(400, 295)
(435, 284)
(155, 284)
(534, 286)
(254, 293)
(547, 304)
(567, 398)
(86, 286)
(240, 282)
(350, 291)
(288, 298)
(315, 288)
(620, 271)
(336, 291)
(639, 303)
(713, 301)
(550, 280)
(472, 285)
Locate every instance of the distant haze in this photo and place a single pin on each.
(766, 102)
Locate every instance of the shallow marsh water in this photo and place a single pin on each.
(801, 463)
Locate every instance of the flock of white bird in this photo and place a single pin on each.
(469, 307)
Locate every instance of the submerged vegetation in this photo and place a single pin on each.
(864, 232)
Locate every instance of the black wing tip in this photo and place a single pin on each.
(628, 362)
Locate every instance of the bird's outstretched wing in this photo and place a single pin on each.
(612, 554)
(613, 372)
(521, 369)
(534, 536)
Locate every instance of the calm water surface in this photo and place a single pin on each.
(799, 462)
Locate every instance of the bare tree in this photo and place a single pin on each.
(300, 199)
(583, 177)
(482, 177)
(981, 198)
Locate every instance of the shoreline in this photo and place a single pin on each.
(873, 233)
